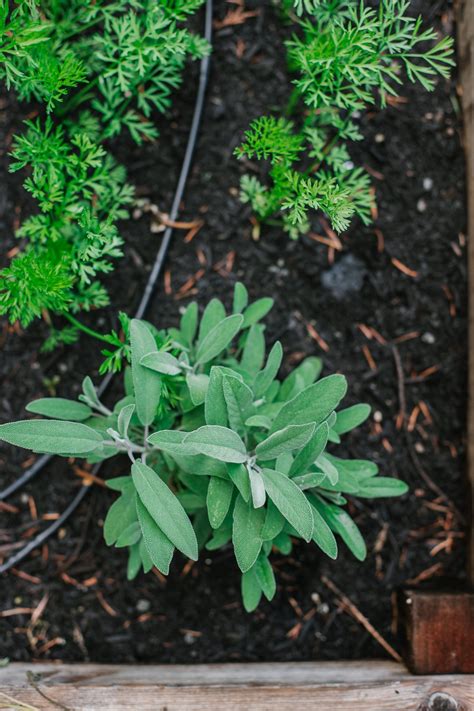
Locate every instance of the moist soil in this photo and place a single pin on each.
(326, 302)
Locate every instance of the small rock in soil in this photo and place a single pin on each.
(345, 277)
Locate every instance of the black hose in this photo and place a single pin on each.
(145, 300)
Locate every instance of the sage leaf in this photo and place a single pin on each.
(219, 497)
(215, 407)
(246, 529)
(217, 442)
(172, 441)
(285, 440)
(351, 417)
(254, 350)
(212, 316)
(198, 385)
(189, 322)
(259, 421)
(158, 545)
(265, 576)
(239, 476)
(124, 417)
(314, 404)
(257, 487)
(161, 362)
(290, 501)
(60, 409)
(322, 534)
(251, 590)
(238, 398)
(341, 523)
(121, 514)
(165, 509)
(256, 311)
(218, 339)
(241, 298)
(52, 436)
(129, 536)
(266, 376)
(311, 451)
(146, 383)
(274, 522)
(381, 487)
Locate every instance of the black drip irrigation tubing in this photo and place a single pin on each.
(143, 305)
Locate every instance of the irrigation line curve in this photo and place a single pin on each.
(145, 300)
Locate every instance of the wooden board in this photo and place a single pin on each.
(466, 72)
(334, 686)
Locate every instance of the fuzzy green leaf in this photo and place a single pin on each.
(218, 442)
(219, 496)
(351, 417)
(158, 545)
(146, 383)
(285, 440)
(246, 530)
(256, 311)
(60, 409)
(314, 404)
(218, 339)
(165, 509)
(161, 362)
(290, 501)
(52, 436)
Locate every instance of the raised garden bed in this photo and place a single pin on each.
(390, 312)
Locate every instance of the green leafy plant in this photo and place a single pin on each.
(81, 193)
(103, 68)
(345, 57)
(222, 451)
(128, 55)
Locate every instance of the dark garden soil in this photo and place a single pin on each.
(396, 290)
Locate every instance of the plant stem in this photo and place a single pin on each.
(82, 327)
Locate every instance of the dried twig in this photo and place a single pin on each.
(348, 606)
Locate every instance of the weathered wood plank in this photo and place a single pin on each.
(466, 71)
(438, 630)
(367, 686)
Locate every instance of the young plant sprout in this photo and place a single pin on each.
(221, 451)
(345, 57)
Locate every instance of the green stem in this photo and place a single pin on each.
(90, 332)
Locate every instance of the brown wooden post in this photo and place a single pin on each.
(466, 68)
(438, 626)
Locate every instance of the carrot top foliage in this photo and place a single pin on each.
(344, 58)
(98, 70)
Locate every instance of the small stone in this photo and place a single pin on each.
(378, 416)
(323, 608)
(421, 205)
(419, 447)
(345, 277)
(62, 367)
(427, 183)
(316, 598)
(379, 138)
(189, 638)
(428, 338)
(143, 605)
(280, 263)
(348, 165)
